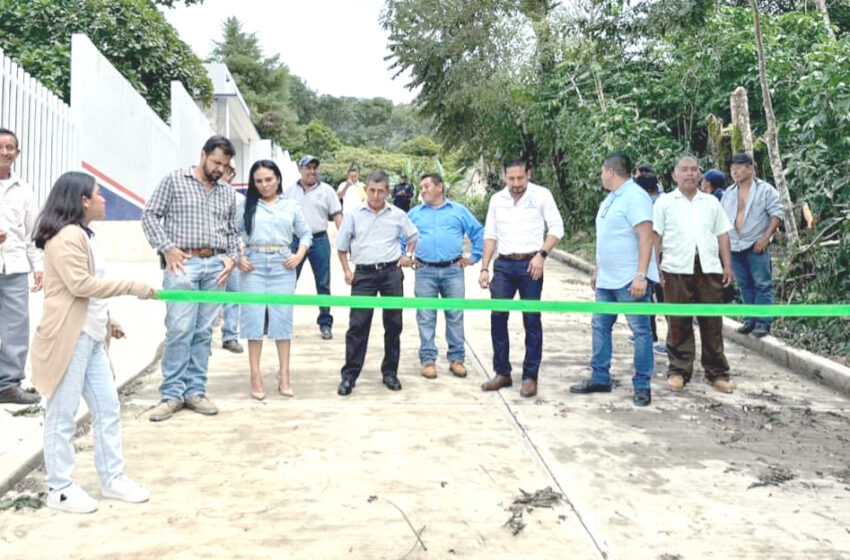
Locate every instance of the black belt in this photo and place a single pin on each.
(320, 234)
(518, 256)
(376, 266)
(441, 264)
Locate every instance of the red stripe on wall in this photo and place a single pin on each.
(113, 183)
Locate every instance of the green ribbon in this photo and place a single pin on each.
(528, 306)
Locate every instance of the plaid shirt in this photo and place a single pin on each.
(181, 213)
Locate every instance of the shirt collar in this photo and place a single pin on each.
(446, 202)
(387, 208)
(190, 172)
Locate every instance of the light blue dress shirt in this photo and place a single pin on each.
(762, 204)
(373, 237)
(275, 224)
(441, 232)
(616, 238)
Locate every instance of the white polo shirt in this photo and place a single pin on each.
(522, 227)
(690, 227)
(18, 211)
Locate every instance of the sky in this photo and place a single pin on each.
(336, 46)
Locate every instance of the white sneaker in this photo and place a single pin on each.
(126, 489)
(72, 499)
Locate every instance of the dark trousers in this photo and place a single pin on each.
(681, 346)
(319, 255)
(510, 277)
(657, 297)
(386, 282)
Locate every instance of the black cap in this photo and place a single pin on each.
(742, 158)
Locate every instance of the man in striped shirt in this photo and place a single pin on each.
(523, 224)
(191, 221)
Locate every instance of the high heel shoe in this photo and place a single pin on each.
(258, 395)
(285, 392)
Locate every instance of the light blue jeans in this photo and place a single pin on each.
(230, 326)
(268, 277)
(448, 283)
(188, 330)
(644, 362)
(14, 329)
(89, 376)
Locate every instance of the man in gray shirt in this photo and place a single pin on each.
(753, 207)
(319, 204)
(371, 234)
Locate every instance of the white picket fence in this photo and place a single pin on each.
(43, 123)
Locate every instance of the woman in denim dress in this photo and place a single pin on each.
(268, 223)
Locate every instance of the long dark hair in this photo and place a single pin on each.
(64, 205)
(252, 197)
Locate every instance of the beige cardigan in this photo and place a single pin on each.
(69, 282)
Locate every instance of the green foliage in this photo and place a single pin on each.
(320, 140)
(371, 158)
(421, 146)
(264, 82)
(132, 34)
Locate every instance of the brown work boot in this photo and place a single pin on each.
(458, 368)
(497, 383)
(201, 405)
(529, 388)
(165, 410)
(723, 384)
(675, 382)
(429, 371)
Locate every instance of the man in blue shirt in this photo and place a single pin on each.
(625, 266)
(439, 263)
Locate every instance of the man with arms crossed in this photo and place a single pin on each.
(442, 225)
(190, 219)
(517, 218)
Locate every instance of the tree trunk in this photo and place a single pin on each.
(740, 106)
(821, 4)
(772, 139)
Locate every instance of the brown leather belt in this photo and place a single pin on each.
(518, 256)
(204, 252)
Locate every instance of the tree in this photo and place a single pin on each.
(133, 35)
(264, 82)
(320, 140)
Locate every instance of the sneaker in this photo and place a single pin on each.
(676, 382)
(760, 331)
(429, 371)
(201, 405)
(71, 499)
(746, 328)
(722, 384)
(126, 489)
(327, 334)
(165, 410)
(233, 346)
(659, 349)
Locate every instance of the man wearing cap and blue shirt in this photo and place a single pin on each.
(320, 204)
(753, 207)
(442, 225)
(625, 266)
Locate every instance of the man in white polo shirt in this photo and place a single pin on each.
(692, 231)
(523, 224)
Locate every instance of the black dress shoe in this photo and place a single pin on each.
(588, 386)
(326, 331)
(746, 328)
(642, 397)
(392, 383)
(16, 395)
(760, 331)
(345, 387)
(233, 346)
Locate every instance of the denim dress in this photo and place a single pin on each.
(267, 247)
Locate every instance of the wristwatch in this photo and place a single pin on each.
(640, 276)
(543, 253)
(409, 255)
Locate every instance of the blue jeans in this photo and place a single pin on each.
(90, 377)
(448, 283)
(319, 255)
(510, 277)
(188, 330)
(268, 277)
(754, 276)
(644, 362)
(230, 327)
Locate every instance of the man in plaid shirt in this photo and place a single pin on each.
(191, 221)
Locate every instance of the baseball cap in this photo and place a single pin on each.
(307, 160)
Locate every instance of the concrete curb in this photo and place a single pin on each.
(803, 362)
(29, 458)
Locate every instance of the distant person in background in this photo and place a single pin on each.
(403, 193)
(319, 205)
(230, 325)
(268, 224)
(69, 357)
(713, 182)
(647, 179)
(352, 191)
(18, 256)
